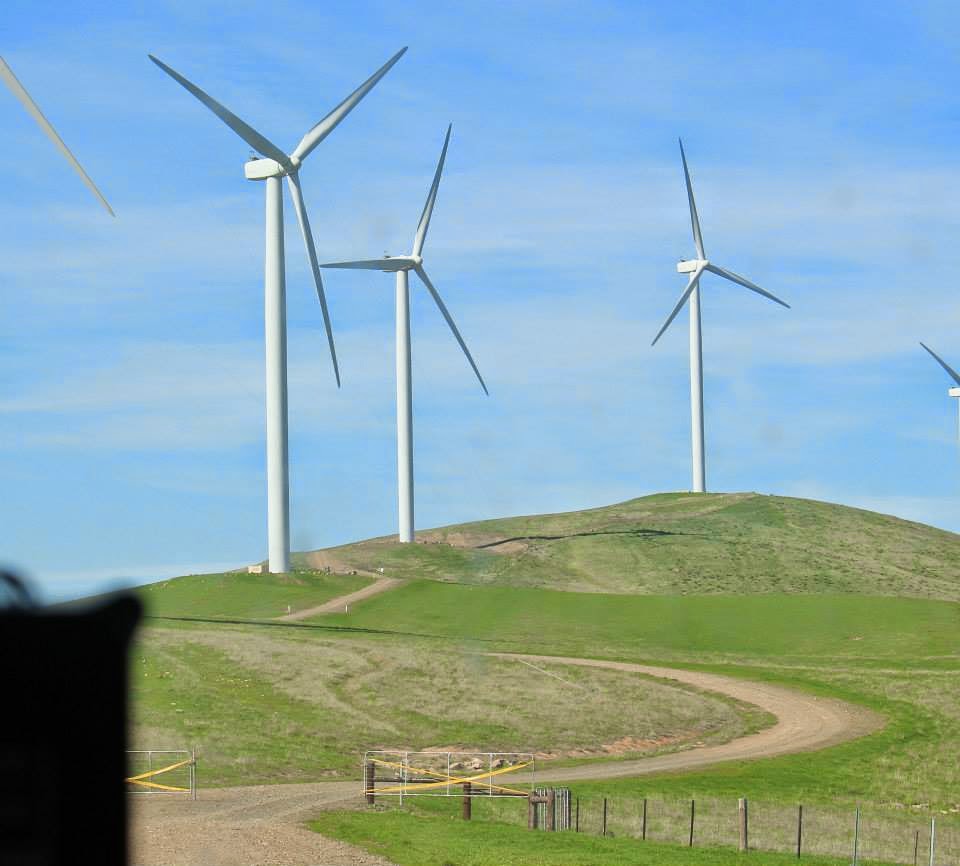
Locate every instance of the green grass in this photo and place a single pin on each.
(444, 840)
(757, 627)
(262, 706)
(238, 594)
(680, 544)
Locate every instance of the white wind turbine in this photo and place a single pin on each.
(401, 265)
(694, 269)
(275, 165)
(6, 73)
(952, 392)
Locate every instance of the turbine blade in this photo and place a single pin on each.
(446, 314)
(329, 123)
(262, 145)
(6, 73)
(424, 223)
(694, 219)
(368, 265)
(296, 194)
(683, 299)
(743, 281)
(953, 373)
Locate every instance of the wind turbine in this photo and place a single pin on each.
(694, 269)
(6, 73)
(275, 165)
(401, 266)
(952, 392)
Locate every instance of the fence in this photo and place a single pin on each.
(443, 774)
(894, 835)
(167, 771)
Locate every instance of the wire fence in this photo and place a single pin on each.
(881, 833)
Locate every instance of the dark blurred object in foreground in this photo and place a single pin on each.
(63, 729)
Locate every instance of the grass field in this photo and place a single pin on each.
(678, 544)
(443, 840)
(853, 605)
(770, 627)
(238, 594)
(297, 706)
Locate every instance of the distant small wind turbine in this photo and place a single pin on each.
(694, 269)
(275, 166)
(6, 73)
(952, 392)
(401, 265)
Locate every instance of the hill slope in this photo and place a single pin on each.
(678, 543)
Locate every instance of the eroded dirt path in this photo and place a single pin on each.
(804, 722)
(263, 825)
(336, 605)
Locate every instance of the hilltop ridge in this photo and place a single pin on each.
(677, 543)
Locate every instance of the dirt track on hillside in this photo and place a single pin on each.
(336, 605)
(264, 824)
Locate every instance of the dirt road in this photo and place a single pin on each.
(804, 723)
(261, 825)
(336, 605)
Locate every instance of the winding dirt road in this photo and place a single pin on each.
(804, 723)
(263, 824)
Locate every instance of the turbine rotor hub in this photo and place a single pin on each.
(690, 265)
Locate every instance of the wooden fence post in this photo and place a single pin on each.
(692, 810)
(916, 846)
(643, 823)
(368, 783)
(531, 811)
(577, 830)
(467, 801)
(604, 831)
(799, 828)
(551, 810)
(743, 823)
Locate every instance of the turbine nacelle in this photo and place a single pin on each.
(261, 169)
(954, 392)
(691, 265)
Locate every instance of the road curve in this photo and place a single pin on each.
(804, 722)
(263, 824)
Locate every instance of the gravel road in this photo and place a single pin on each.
(263, 825)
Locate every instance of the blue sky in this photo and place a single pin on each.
(822, 141)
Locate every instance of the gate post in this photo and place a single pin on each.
(368, 782)
(743, 823)
(467, 801)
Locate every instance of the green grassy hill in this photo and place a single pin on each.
(678, 544)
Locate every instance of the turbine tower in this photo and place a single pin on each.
(694, 269)
(275, 165)
(952, 392)
(401, 266)
(6, 73)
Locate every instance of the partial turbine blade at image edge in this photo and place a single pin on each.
(743, 281)
(18, 90)
(297, 195)
(259, 143)
(424, 223)
(694, 219)
(683, 299)
(321, 130)
(365, 265)
(953, 373)
(446, 314)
